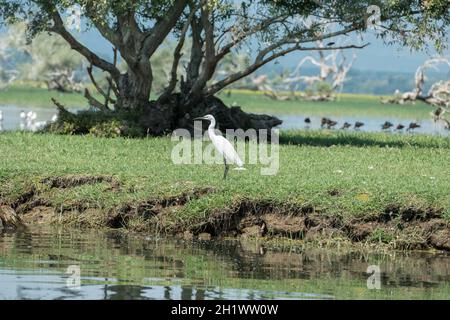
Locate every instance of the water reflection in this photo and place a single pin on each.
(114, 265)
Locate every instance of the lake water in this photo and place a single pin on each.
(12, 121)
(69, 264)
(372, 124)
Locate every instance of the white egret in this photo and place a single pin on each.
(38, 125)
(1, 115)
(23, 115)
(54, 118)
(223, 146)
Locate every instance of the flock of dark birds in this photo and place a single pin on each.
(437, 115)
(330, 124)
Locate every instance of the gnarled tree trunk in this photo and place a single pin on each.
(134, 88)
(173, 113)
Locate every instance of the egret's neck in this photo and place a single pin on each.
(211, 127)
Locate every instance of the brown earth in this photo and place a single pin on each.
(71, 181)
(396, 227)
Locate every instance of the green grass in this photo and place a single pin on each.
(371, 170)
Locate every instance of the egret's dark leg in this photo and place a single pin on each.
(226, 168)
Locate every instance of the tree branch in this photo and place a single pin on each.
(77, 46)
(260, 61)
(97, 87)
(176, 59)
(155, 36)
(196, 57)
(243, 35)
(210, 61)
(101, 25)
(94, 102)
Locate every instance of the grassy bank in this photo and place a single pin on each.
(358, 186)
(352, 105)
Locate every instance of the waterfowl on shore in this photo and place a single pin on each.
(38, 125)
(346, 126)
(412, 126)
(400, 127)
(324, 122)
(307, 120)
(23, 115)
(387, 125)
(358, 124)
(331, 123)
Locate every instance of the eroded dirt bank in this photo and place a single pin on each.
(397, 227)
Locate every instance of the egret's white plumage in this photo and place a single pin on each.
(38, 125)
(223, 146)
(1, 115)
(23, 115)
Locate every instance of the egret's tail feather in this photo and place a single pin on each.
(240, 169)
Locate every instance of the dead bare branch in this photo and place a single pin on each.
(94, 102)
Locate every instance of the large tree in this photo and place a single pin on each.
(216, 28)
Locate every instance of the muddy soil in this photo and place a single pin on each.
(397, 227)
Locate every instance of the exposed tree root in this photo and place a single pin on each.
(9, 218)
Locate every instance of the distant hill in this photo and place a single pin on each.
(382, 82)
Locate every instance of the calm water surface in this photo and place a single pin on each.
(44, 264)
(372, 124)
(12, 121)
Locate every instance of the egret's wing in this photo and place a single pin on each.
(227, 150)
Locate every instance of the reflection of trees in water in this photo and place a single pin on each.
(208, 264)
(124, 292)
(418, 269)
(23, 240)
(186, 293)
